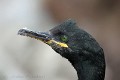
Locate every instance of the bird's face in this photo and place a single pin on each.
(58, 40)
(61, 38)
(66, 39)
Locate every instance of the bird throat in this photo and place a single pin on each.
(89, 72)
(86, 70)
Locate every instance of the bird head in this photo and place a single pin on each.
(75, 44)
(66, 39)
(61, 38)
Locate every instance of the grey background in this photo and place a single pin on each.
(23, 58)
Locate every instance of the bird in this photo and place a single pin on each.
(75, 44)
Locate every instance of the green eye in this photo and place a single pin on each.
(64, 38)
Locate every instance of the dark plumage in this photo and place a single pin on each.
(76, 45)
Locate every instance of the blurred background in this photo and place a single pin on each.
(23, 58)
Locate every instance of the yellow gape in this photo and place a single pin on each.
(58, 43)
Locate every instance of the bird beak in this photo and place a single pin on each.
(42, 36)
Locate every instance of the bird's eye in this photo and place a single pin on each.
(64, 38)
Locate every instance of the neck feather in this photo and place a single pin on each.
(85, 71)
(88, 68)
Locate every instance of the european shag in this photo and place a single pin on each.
(76, 45)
